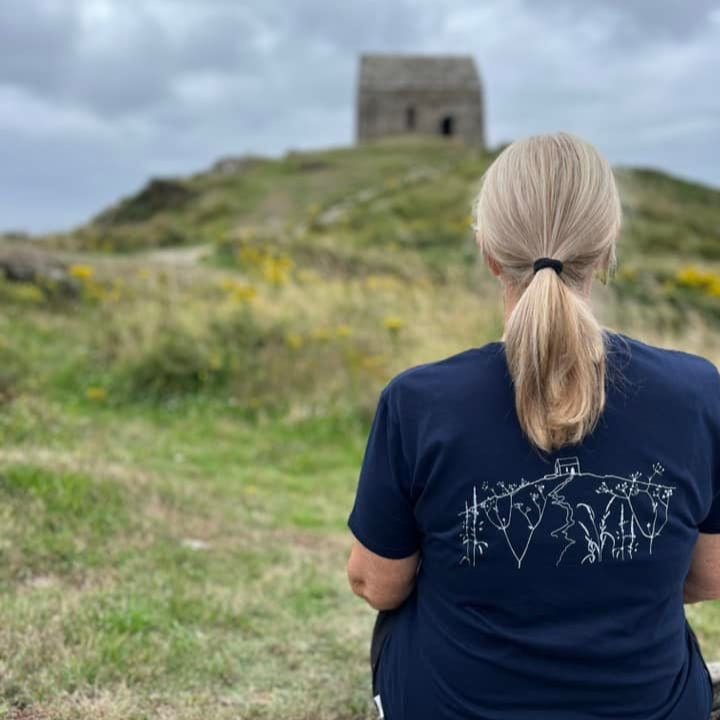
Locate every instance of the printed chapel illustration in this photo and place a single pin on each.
(591, 517)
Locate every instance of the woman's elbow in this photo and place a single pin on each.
(384, 583)
(696, 592)
(703, 580)
(377, 597)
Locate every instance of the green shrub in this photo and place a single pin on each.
(228, 351)
(179, 362)
(159, 195)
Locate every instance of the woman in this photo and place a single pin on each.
(561, 486)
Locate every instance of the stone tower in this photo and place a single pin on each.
(426, 94)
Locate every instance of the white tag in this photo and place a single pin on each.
(378, 703)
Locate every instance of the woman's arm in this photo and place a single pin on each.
(703, 579)
(384, 583)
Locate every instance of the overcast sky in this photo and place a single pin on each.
(98, 95)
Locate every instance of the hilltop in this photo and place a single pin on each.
(399, 207)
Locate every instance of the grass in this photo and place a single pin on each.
(180, 443)
(141, 558)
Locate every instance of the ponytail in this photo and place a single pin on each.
(556, 355)
(554, 198)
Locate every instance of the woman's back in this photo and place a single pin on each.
(551, 584)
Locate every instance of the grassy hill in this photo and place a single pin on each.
(401, 208)
(183, 413)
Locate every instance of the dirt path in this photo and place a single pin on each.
(182, 256)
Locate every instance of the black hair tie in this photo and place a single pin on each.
(544, 262)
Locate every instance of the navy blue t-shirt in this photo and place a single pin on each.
(550, 586)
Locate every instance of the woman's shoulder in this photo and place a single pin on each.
(686, 372)
(659, 354)
(444, 377)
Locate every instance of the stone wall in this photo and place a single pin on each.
(384, 113)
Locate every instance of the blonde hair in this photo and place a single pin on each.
(552, 196)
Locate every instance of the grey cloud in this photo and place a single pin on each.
(637, 22)
(46, 51)
(37, 43)
(355, 26)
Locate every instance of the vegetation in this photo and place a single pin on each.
(181, 434)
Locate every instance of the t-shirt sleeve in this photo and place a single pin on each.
(711, 522)
(382, 517)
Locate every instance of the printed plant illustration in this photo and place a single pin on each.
(471, 528)
(648, 501)
(629, 514)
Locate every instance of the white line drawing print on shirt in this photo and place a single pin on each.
(471, 528)
(631, 511)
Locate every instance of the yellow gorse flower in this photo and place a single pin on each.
(705, 280)
(251, 255)
(238, 291)
(276, 270)
(82, 272)
(714, 288)
(393, 324)
(321, 333)
(98, 394)
(692, 276)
